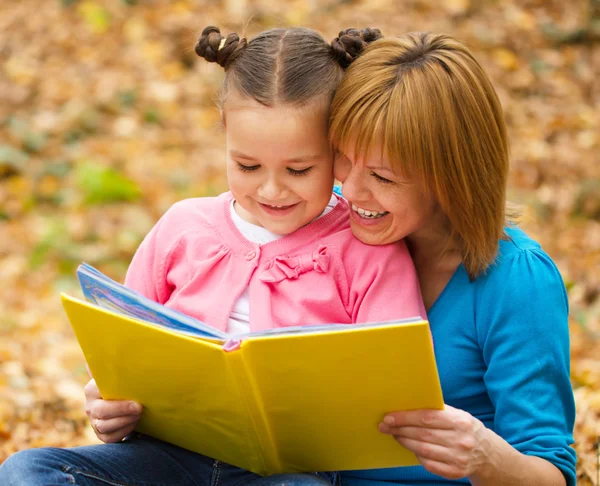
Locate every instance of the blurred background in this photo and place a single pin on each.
(107, 117)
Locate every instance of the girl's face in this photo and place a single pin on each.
(279, 163)
(385, 207)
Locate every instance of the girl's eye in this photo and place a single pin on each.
(383, 180)
(299, 172)
(247, 168)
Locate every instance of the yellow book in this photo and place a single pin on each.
(302, 400)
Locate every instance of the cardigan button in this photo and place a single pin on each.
(251, 255)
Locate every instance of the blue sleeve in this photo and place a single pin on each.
(525, 343)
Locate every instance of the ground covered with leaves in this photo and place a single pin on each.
(107, 118)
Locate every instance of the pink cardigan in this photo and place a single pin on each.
(196, 261)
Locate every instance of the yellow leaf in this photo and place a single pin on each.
(154, 51)
(237, 9)
(4, 432)
(173, 71)
(457, 7)
(17, 68)
(49, 186)
(181, 7)
(96, 16)
(135, 29)
(506, 59)
(521, 18)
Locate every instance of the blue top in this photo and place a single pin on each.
(502, 350)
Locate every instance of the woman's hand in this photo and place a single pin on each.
(450, 443)
(112, 420)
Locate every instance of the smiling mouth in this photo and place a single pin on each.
(367, 214)
(273, 206)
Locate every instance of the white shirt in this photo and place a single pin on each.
(239, 319)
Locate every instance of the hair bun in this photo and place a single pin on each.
(349, 43)
(213, 47)
(370, 35)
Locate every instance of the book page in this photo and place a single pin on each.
(108, 294)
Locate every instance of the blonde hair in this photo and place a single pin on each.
(427, 103)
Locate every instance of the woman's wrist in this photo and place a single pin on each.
(503, 465)
(495, 453)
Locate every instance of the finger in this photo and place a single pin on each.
(427, 450)
(447, 471)
(115, 425)
(116, 436)
(443, 437)
(91, 390)
(436, 419)
(444, 461)
(109, 409)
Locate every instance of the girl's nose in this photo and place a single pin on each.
(271, 189)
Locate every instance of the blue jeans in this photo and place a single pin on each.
(138, 461)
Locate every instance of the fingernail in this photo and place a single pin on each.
(389, 420)
(135, 407)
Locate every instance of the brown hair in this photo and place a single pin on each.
(429, 105)
(293, 65)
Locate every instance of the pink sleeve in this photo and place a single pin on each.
(146, 273)
(384, 285)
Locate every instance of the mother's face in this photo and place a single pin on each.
(385, 207)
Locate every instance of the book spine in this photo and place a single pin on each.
(251, 394)
(232, 345)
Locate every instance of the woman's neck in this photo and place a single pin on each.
(433, 240)
(436, 257)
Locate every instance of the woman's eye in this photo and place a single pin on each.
(381, 179)
(247, 168)
(295, 172)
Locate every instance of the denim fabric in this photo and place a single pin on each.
(139, 461)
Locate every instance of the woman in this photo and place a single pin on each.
(422, 143)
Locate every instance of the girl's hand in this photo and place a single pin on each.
(450, 443)
(112, 420)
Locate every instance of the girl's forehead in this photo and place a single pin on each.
(236, 101)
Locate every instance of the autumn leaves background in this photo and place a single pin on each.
(106, 119)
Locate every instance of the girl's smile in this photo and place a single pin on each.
(278, 211)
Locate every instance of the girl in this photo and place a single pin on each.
(277, 250)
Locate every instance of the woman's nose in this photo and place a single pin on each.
(353, 185)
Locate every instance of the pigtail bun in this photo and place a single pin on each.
(349, 43)
(215, 48)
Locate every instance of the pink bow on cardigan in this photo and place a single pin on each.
(292, 267)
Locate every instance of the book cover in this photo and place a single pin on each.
(294, 400)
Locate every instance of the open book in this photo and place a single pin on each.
(294, 399)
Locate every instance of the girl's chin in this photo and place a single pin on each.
(280, 229)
